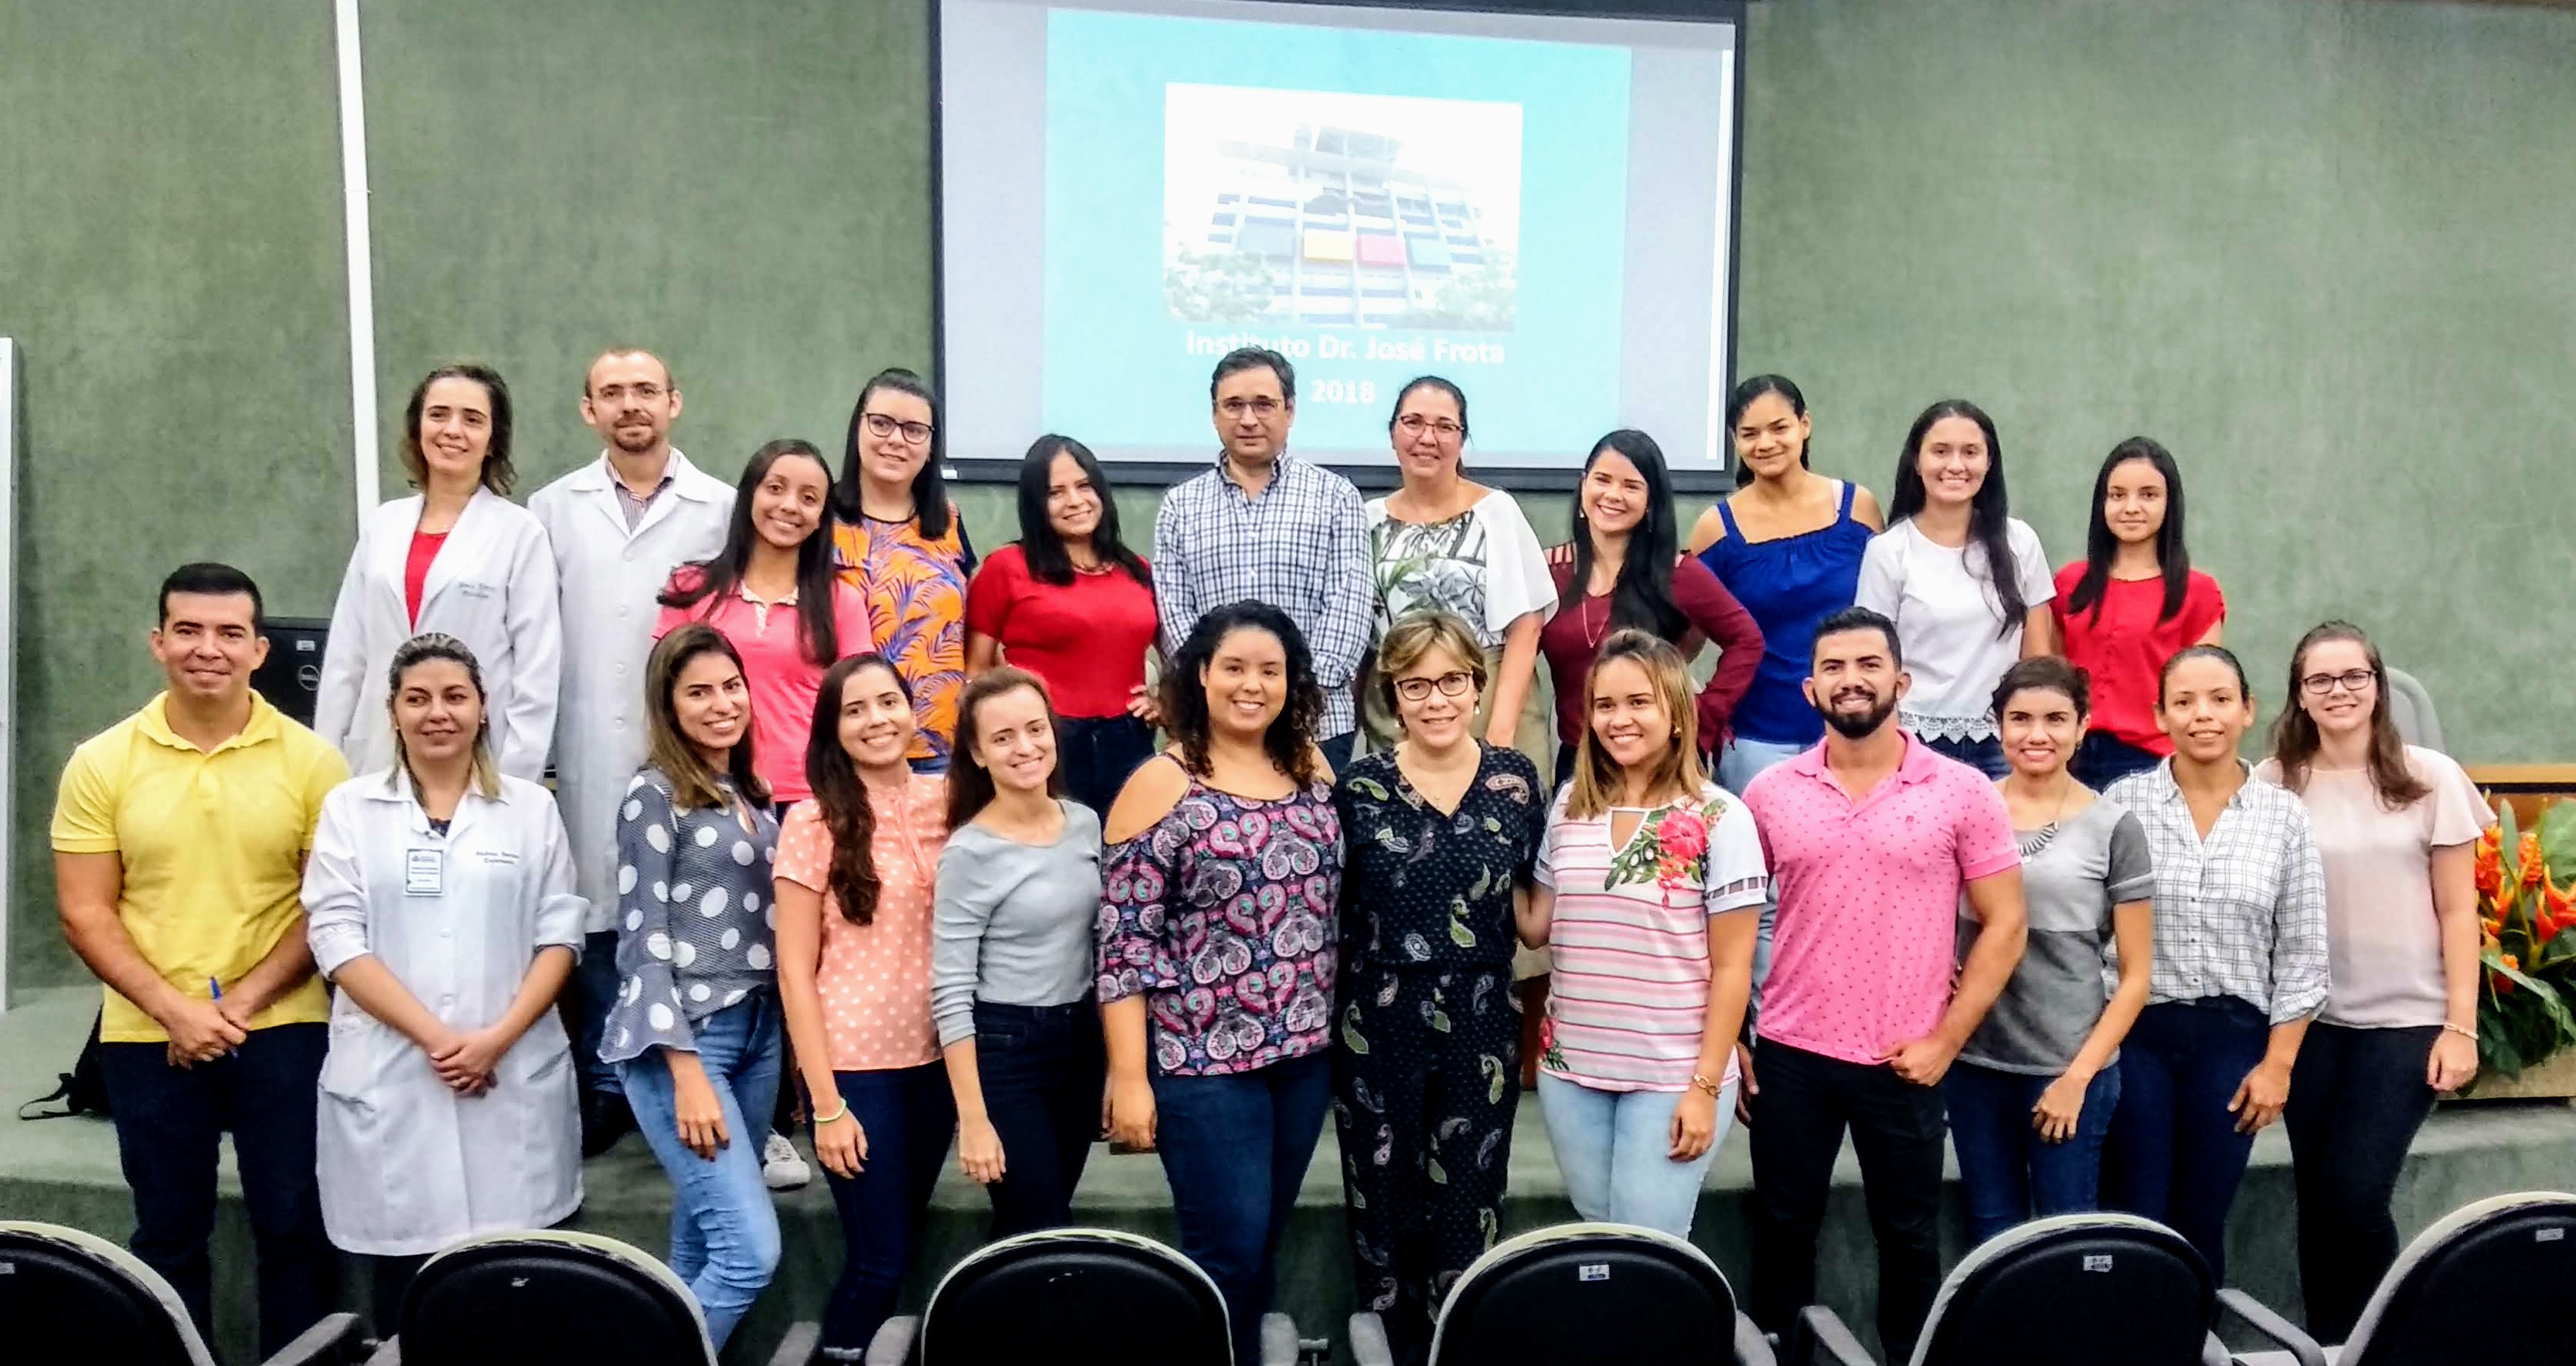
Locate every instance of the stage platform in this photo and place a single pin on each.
(66, 1170)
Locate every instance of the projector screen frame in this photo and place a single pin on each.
(1375, 477)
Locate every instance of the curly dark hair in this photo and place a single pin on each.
(1290, 741)
(839, 795)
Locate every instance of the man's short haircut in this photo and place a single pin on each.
(669, 381)
(1858, 619)
(216, 581)
(1244, 358)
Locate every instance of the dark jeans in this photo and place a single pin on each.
(2104, 759)
(1042, 1070)
(1337, 750)
(170, 1123)
(1805, 1102)
(1235, 1149)
(388, 1278)
(909, 1115)
(2175, 1156)
(2356, 1099)
(1097, 754)
(2006, 1172)
(1985, 756)
(595, 984)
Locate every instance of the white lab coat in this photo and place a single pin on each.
(609, 579)
(405, 1165)
(492, 586)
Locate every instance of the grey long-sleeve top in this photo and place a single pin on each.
(1012, 922)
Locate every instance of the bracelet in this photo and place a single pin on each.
(842, 1113)
(1700, 1082)
(2469, 1034)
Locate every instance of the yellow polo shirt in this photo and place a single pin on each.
(213, 849)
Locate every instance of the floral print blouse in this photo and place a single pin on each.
(693, 915)
(1221, 916)
(1423, 888)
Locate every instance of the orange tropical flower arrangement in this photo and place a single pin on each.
(2527, 918)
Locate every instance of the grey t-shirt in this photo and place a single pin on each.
(2072, 874)
(1012, 922)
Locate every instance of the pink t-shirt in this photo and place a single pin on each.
(1627, 996)
(875, 978)
(782, 677)
(2383, 936)
(1862, 949)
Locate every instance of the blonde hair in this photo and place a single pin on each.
(485, 773)
(1418, 634)
(1598, 780)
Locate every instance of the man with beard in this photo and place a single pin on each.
(619, 526)
(1872, 837)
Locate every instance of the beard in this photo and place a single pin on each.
(632, 445)
(1863, 725)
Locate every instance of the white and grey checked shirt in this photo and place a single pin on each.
(2242, 913)
(1302, 547)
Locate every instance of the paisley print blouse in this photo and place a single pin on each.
(1221, 917)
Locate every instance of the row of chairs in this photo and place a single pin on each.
(2477, 1287)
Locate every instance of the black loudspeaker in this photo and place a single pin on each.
(292, 677)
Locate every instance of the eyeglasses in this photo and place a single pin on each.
(1239, 408)
(1415, 424)
(882, 425)
(1455, 683)
(2353, 680)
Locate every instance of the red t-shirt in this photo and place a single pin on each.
(1086, 639)
(2124, 647)
(424, 548)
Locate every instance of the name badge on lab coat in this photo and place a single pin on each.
(424, 872)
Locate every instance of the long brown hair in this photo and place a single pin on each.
(2295, 740)
(841, 797)
(970, 784)
(1598, 781)
(693, 782)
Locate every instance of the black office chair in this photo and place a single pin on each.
(1069, 1297)
(2485, 1284)
(2100, 1289)
(545, 1298)
(73, 1297)
(1584, 1292)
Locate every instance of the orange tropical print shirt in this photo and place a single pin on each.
(915, 588)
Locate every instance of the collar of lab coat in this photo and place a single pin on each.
(599, 480)
(397, 788)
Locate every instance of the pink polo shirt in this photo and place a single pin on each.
(782, 678)
(1862, 952)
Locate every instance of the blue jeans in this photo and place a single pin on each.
(170, 1123)
(1613, 1149)
(1985, 756)
(2007, 1174)
(1235, 1149)
(724, 1230)
(908, 1115)
(2175, 1156)
(1041, 1068)
(2103, 759)
(595, 984)
(1097, 754)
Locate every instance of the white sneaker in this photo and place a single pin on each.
(781, 1167)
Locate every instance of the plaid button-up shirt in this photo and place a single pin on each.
(2241, 913)
(1302, 547)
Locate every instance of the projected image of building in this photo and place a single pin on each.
(1328, 222)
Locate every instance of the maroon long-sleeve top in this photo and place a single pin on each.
(1573, 637)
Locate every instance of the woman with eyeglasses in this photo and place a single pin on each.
(1442, 831)
(1443, 542)
(904, 548)
(2396, 827)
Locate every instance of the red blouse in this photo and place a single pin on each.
(2122, 646)
(424, 549)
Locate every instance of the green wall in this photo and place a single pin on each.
(2318, 247)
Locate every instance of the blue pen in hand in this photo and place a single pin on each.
(216, 990)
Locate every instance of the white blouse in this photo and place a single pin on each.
(1949, 622)
(1483, 565)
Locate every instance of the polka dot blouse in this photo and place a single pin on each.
(875, 978)
(693, 916)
